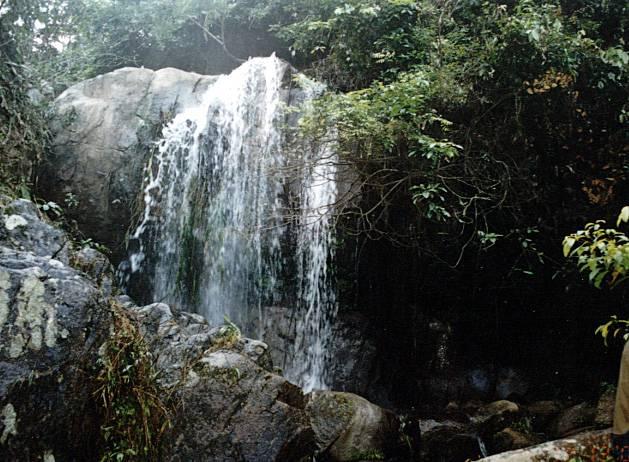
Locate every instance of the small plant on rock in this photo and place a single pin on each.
(135, 415)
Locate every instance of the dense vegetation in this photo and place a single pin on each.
(481, 132)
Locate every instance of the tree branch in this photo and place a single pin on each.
(219, 40)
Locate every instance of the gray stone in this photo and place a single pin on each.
(354, 368)
(231, 408)
(496, 416)
(22, 228)
(348, 427)
(572, 420)
(95, 265)
(511, 383)
(54, 319)
(52, 322)
(605, 408)
(542, 413)
(103, 130)
(510, 439)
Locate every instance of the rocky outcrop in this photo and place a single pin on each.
(103, 130)
(22, 229)
(448, 440)
(233, 407)
(53, 319)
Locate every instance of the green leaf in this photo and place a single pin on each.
(624, 215)
(568, 242)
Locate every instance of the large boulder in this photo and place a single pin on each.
(52, 323)
(349, 428)
(103, 129)
(231, 407)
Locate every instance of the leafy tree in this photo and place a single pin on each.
(23, 132)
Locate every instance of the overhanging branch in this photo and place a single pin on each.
(217, 39)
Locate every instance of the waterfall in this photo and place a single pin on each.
(218, 234)
(316, 293)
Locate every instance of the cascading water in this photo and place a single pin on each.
(317, 297)
(213, 233)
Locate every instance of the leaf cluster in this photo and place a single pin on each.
(601, 252)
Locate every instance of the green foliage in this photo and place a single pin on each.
(524, 426)
(470, 114)
(614, 328)
(136, 415)
(228, 335)
(602, 253)
(23, 132)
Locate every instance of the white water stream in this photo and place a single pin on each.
(213, 233)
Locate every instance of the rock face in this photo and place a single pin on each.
(52, 322)
(233, 407)
(103, 129)
(103, 132)
(22, 229)
(353, 348)
(448, 441)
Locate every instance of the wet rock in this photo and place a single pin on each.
(22, 228)
(348, 427)
(605, 408)
(232, 408)
(102, 133)
(542, 413)
(104, 130)
(480, 381)
(511, 383)
(354, 368)
(52, 323)
(496, 416)
(573, 419)
(509, 439)
(54, 319)
(448, 441)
